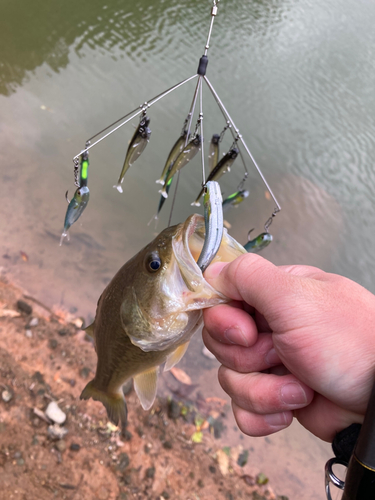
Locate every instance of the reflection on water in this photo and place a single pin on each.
(296, 76)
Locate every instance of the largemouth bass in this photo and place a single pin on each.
(148, 313)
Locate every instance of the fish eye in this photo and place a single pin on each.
(153, 263)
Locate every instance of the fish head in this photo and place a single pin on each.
(215, 139)
(165, 290)
(233, 153)
(197, 140)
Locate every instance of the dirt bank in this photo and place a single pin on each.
(168, 452)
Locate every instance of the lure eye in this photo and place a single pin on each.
(153, 262)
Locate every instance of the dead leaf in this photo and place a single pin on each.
(222, 461)
(24, 256)
(227, 224)
(9, 313)
(181, 376)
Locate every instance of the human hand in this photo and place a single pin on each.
(295, 341)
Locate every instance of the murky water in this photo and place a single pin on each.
(296, 76)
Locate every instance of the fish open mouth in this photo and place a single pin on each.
(176, 311)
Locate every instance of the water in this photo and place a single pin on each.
(296, 76)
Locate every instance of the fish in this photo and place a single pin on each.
(75, 208)
(148, 313)
(187, 154)
(173, 154)
(221, 168)
(137, 145)
(213, 152)
(235, 199)
(213, 220)
(258, 243)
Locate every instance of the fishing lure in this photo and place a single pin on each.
(136, 147)
(258, 243)
(173, 154)
(235, 199)
(213, 152)
(183, 159)
(213, 221)
(221, 168)
(161, 201)
(80, 199)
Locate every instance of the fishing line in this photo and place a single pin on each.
(190, 116)
(201, 130)
(133, 114)
(227, 116)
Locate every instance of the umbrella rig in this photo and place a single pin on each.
(186, 147)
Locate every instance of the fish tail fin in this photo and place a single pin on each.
(163, 192)
(195, 204)
(160, 181)
(118, 187)
(114, 403)
(64, 235)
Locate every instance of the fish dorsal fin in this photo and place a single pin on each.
(145, 385)
(175, 356)
(90, 330)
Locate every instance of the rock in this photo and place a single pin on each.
(123, 462)
(24, 307)
(85, 372)
(173, 409)
(261, 478)
(52, 343)
(29, 334)
(212, 469)
(75, 447)
(168, 445)
(6, 395)
(33, 322)
(56, 432)
(242, 459)
(150, 472)
(63, 332)
(60, 446)
(54, 413)
(249, 480)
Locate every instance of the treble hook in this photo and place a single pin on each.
(248, 234)
(66, 197)
(242, 183)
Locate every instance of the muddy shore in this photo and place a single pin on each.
(169, 452)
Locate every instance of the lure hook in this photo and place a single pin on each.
(228, 125)
(269, 221)
(66, 196)
(248, 234)
(242, 183)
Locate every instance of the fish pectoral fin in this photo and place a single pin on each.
(175, 356)
(115, 404)
(145, 385)
(90, 330)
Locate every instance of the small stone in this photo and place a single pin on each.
(75, 447)
(63, 332)
(52, 343)
(29, 334)
(242, 459)
(173, 409)
(123, 462)
(17, 454)
(6, 395)
(33, 322)
(56, 432)
(38, 377)
(168, 445)
(60, 446)
(165, 495)
(200, 483)
(150, 472)
(24, 307)
(20, 461)
(85, 372)
(249, 480)
(54, 413)
(212, 469)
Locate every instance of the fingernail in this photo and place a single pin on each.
(293, 394)
(214, 270)
(276, 419)
(235, 335)
(272, 358)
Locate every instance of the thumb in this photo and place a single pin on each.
(258, 282)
